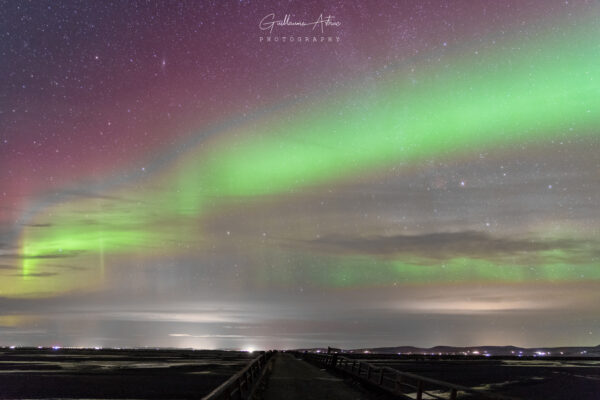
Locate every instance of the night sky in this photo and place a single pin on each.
(414, 173)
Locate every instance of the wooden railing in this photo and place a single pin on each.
(397, 382)
(242, 385)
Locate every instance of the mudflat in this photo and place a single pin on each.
(115, 374)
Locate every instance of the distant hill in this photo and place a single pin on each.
(480, 351)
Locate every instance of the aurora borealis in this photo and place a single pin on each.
(168, 179)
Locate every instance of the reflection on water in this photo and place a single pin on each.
(114, 374)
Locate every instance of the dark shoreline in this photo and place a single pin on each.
(34, 373)
(115, 373)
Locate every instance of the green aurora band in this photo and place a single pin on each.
(501, 97)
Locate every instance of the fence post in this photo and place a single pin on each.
(420, 390)
(453, 394)
(381, 376)
(398, 383)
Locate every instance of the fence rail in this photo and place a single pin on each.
(241, 386)
(397, 382)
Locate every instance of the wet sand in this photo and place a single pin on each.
(115, 374)
(526, 379)
(183, 374)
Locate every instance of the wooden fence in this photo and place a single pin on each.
(242, 385)
(404, 385)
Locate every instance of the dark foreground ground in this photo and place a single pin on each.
(185, 374)
(532, 379)
(115, 374)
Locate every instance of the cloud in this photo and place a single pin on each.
(495, 299)
(183, 317)
(92, 195)
(37, 274)
(60, 254)
(204, 336)
(444, 245)
(4, 246)
(38, 225)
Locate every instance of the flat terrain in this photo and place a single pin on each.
(526, 379)
(115, 374)
(184, 374)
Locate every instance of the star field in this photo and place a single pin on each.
(432, 177)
